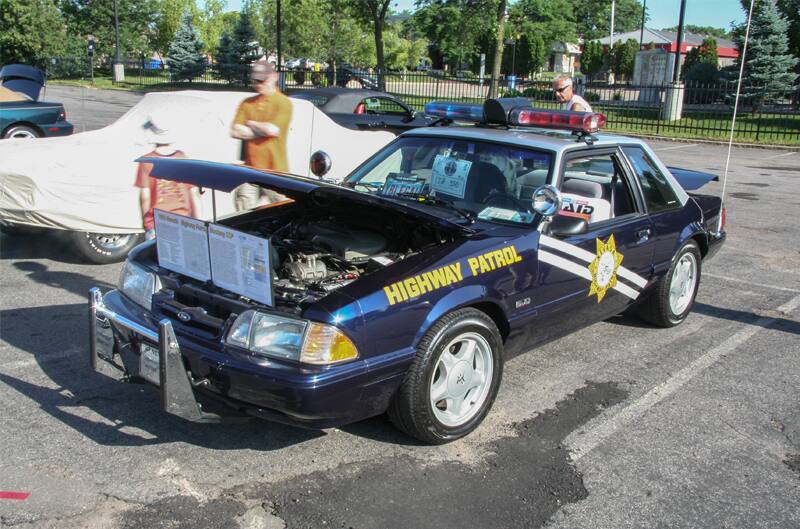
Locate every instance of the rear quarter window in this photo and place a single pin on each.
(657, 191)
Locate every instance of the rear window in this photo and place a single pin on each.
(317, 99)
(657, 191)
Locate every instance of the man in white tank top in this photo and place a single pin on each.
(562, 86)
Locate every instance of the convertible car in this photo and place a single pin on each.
(22, 115)
(406, 288)
(365, 109)
(83, 184)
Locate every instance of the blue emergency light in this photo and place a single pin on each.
(455, 111)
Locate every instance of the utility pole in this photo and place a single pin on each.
(641, 32)
(498, 51)
(677, 70)
(278, 31)
(119, 68)
(611, 76)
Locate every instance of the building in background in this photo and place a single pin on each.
(668, 40)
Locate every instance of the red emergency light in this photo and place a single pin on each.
(588, 122)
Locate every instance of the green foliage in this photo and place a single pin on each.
(30, 29)
(791, 10)
(96, 17)
(402, 53)
(184, 56)
(539, 93)
(706, 53)
(212, 22)
(623, 57)
(170, 14)
(591, 96)
(236, 51)
(593, 17)
(709, 31)
(592, 58)
(702, 72)
(536, 25)
(768, 63)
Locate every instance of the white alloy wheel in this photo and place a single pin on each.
(683, 283)
(462, 379)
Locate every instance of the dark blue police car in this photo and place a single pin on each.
(406, 288)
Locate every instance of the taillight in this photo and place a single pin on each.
(62, 115)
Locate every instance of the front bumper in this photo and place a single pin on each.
(192, 370)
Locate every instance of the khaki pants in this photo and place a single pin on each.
(249, 196)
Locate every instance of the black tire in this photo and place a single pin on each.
(102, 248)
(21, 131)
(411, 409)
(657, 309)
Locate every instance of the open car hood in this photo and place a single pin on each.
(691, 180)
(227, 177)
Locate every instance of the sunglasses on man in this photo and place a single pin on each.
(559, 90)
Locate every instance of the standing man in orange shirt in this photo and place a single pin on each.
(262, 121)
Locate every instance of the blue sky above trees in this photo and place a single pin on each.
(663, 13)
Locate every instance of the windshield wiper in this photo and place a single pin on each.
(430, 199)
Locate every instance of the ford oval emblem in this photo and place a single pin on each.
(184, 316)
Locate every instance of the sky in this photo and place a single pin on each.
(663, 13)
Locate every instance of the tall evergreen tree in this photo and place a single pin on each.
(768, 65)
(623, 57)
(184, 57)
(592, 58)
(222, 69)
(706, 53)
(242, 51)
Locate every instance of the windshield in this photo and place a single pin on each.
(490, 181)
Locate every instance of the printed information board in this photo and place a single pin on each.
(449, 175)
(396, 184)
(240, 263)
(182, 244)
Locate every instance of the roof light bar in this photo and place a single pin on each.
(455, 111)
(587, 122)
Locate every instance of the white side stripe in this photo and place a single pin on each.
(581, 271)
(583, 255)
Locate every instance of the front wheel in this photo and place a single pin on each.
(453, 381)
(104, 248)
(674, 293)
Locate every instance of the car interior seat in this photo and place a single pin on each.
(587, 198)
(360, 109)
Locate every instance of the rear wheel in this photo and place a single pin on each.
(453, 381)
(22, 131)
(674, 293)
(105, 248)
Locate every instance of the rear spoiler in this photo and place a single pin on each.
(692, 180)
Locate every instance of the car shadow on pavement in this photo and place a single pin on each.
(48, 244)
(70, 281)
(777, 320)
(108, 411)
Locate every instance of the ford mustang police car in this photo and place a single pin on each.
(405, 288)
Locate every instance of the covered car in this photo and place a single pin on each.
(85, 183)
(22, 114)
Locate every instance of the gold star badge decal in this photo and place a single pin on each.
(604, 267)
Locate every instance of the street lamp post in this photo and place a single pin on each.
(119, 68)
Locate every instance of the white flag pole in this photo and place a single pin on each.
(735, 110)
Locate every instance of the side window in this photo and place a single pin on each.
(594, 188)
(657, 191)
(383, 105)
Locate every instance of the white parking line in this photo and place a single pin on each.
(779, 155)
(676, 147)
(762, 285)
(598, 434)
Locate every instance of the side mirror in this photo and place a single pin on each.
(564, 226)
(320, 163)
(547, 200)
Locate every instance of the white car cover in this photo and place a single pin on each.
(85, 182)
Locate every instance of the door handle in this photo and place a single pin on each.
(643, 235)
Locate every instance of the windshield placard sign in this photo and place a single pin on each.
(449, 175)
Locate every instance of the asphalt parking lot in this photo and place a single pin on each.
(621, 425)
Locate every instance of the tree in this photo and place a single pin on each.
(593, 17)
(30, 30)
(170, 15)
(236, 52)
(768, 65)
(708, 31)
(623, 57)
(592, 58)
(791, 10)
(706, 53)
(373, 14)
(212, 22)
(96, 17)
(552, 20)
(403, 53)
(184, 57)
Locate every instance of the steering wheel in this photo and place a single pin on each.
(505, 199)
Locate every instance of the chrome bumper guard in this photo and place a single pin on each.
(175, 382)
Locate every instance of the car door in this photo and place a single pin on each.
(593, 275)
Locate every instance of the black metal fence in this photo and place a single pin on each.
(765, 115)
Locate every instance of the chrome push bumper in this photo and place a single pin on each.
(174, 381)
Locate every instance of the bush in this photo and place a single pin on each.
(299, 77)
(702, 72)
(538, 93)
(465, 74)
(617, 96)
(512, 93)
(592, 97)
(436, 73)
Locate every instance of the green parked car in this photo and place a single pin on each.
(22, 115)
